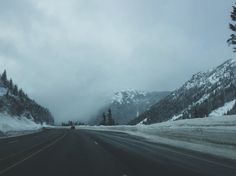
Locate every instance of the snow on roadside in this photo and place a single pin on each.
(224, 109)
(15, 125)
(213, 135)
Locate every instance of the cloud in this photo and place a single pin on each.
(71, 54)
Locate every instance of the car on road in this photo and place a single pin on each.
(72, 127)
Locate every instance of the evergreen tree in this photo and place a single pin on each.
(110, 120)
(21, 93)
(15, 90)
(4, 76)
(104, 121)
(10, 85)
(232, 26)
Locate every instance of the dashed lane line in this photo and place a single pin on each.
(32, 155)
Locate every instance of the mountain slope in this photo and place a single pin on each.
(126, 105)
(198, 97)
(15, 102)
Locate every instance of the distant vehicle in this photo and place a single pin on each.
(72, 127)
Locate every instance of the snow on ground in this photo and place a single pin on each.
(17, 125)
(212, 135)
(201, 100)
(143, 121)
(176, 117)
(224, 109)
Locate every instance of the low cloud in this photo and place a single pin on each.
(71, 55)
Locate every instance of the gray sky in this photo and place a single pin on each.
(69, 54)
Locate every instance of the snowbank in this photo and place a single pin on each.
(14, 125)
(213, 135)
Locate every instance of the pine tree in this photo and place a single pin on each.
(232, 26)
(21, 93)
(104, 118)
(11, 85)
(4, 76)
(15, 90)
(104, 121)
(110, 120)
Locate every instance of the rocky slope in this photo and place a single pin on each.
(205, 93)
(15, 102)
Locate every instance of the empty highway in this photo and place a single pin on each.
(64, 152)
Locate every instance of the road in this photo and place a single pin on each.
(63, 152)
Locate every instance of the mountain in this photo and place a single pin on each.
(207, 93)
(15, 102)
(127, 105)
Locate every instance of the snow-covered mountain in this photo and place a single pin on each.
(15, 103)
(127, 105)
(207, 93)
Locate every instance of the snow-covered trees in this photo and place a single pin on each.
(4, 76)
(17, 103)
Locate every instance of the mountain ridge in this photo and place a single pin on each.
(198, 97)
(128, 104)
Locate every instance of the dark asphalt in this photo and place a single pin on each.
(62, 152)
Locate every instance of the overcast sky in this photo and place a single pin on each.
(69, 54)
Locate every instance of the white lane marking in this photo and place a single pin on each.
(95, 142)
(13, 154)
(32, 155)
(13, 141)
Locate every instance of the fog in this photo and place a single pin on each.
(71, 55)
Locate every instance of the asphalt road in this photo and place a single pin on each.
(92, 153)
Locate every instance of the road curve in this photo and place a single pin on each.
(62, 152)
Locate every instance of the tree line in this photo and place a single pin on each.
(12, 88)
(70, 123)
(17, 102)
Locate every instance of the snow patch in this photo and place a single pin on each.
(224, 109)
(201, 100)
(176, 117)
(118, 97)
(142, 122)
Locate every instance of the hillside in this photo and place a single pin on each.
(127, 105)
(15, 103)
(206, 93)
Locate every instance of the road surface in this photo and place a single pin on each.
(63, 152)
